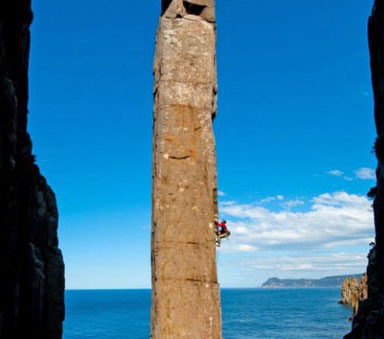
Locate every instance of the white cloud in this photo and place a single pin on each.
(340, 199)
(267, 200)
(365, 173)
(338, 263)
(293, 203)
(252, 269)
(246, 248)
(227, 203)
(270, 199)
(336, 173)
(329, 237)
(333, 220)
(221, 194)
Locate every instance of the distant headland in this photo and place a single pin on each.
(327, 282)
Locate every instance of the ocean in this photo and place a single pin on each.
(246, 313)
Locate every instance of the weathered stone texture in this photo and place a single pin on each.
(369, 322)
(186, 295)
(353, 292)
(32, 269)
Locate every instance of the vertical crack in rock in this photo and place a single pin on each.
(32, 268)
(369, 322)
(185, 294)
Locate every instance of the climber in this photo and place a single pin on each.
(222, 231)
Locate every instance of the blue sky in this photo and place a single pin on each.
(294, 136)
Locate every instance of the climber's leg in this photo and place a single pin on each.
(218, 239)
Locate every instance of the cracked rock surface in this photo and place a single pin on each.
(32, 268)
(185, 294)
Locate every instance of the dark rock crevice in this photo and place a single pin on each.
(193, 9)
(185, 157)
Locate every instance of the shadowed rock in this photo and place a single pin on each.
(369, 322)
(185, 295)
(32, 269)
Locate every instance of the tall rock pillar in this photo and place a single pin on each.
(369, 322)
(31, 265)
(185, 291)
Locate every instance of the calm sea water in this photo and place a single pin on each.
(247, 314)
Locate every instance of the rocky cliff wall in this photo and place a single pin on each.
(186, 295)
(353, 292)
(32, 269)
(369, 322)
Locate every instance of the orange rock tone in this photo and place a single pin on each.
(185, 290)
(353, 292)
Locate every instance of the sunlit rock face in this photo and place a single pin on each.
(186, 296)
(32, 269)
(353, 292)
(369, 322)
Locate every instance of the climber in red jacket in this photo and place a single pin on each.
(222, 231)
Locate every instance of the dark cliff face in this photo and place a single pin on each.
(32, 268)
(369, 322)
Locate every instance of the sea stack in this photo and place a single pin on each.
(353, 292)
(185, 290)
(369, 322)
(32, 268)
